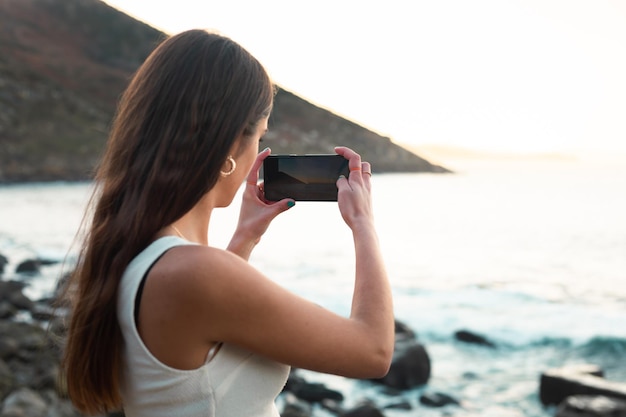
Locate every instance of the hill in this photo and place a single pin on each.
(63, 65)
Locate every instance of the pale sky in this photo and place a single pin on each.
(495, 75)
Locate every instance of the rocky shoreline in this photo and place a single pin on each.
(30, 383)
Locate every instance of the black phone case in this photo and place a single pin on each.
(303, 177)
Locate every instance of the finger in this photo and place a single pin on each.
(366, 169)
(354, 159)
(253, 175)
(277, 207)
(342, 182)
(261, 194)
(285, 204)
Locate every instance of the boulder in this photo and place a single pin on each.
(42, 312)
(28, 336)
(24, 402)
(27, 351)
(403, 332)
(365, 409)
(63, 407)
(48, 261)
(11, 292)
(437, 399)
(6, 380)
(334, 407)
(29, 267)
(410, 366)
(9, 287)
(20, 301)
(558, 384)
(316, 392)
(4, 261)
(403, 405)
(8, 347)
(473, 338)
(310, 391)
(295, 407)
(7, 310)
(591, 406)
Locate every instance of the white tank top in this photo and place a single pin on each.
(232, 383)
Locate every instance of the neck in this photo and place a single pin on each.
(194, 225)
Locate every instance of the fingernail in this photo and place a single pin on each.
(291, 203)
(342, 176)
(266, 149)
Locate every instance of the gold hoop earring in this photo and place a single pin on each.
(233, 165)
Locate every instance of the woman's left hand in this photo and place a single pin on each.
(256, 212)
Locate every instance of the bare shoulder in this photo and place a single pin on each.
(206, 278)
(192, 267)
(191, 259)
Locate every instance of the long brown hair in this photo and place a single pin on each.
(175, 124)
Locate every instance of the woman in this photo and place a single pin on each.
(162, 323)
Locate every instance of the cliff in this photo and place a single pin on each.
(63, 65)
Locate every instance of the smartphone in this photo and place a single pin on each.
(303, 177)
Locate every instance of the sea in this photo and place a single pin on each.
(529, 253)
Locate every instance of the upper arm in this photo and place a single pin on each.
(231, 301)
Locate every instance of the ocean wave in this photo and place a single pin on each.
(606, 346)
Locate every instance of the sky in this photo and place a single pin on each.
(514, 76)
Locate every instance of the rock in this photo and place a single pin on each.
(470, 337)
(400, 405)
(404, 332)
(42, 372)
(20, 301)
(61, 407)
(30, 337)
(6, 380)
(333, 406)
(9, 287)
(4, 261)
(7, 310)
(29, 362)
(8, 347)
(48, 262)
(437, 399)
(410, 366)
(27, 351)
(29, 266)
(11, 291)
(591, 406)
(24, 403)
(391, 392)
(42, 312)
(294, 407)
(315, 392)
(558, 384)
(366, 409)
(293, 380)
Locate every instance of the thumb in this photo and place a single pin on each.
(283, 205)
(286, 204)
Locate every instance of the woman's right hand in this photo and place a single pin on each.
(256, 212)
(354, 192)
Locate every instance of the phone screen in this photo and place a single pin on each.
(303, 177)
